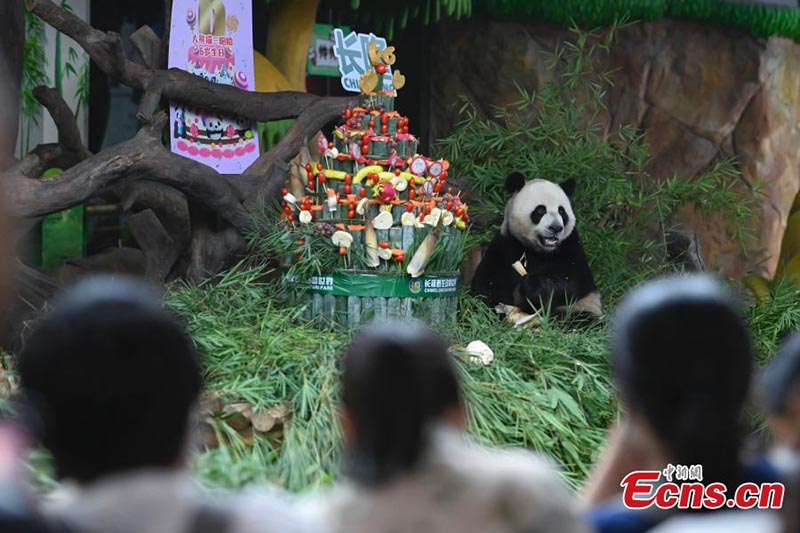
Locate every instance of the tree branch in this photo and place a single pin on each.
(69, 135)
(69, 150)
(148, 45)
(143, 157)
(268, 172)
(107, 52)
(151, 101)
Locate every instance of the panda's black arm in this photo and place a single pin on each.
(543, 292)
(580, 275)
(495, 279)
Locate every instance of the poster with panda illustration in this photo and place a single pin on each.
(213, 39)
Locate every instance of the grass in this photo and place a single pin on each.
(548, 392)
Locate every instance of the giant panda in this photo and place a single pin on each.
(537, 259)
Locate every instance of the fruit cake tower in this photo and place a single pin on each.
(383, 225)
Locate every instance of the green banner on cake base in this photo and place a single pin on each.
(381, 285)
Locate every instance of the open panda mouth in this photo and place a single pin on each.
(548, 242)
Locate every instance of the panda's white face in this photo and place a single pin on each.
(539, 216)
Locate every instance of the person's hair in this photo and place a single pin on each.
(682, 358)
(781, 375)
(112, 378)
(398, 382)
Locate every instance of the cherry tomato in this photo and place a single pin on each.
(284, 191)
(362, 192)
(380, 68)
(330, 145)
(283, 204)
(308, 167)
(321, 177)
(400, 258)
(384, 129)
(319, 166)
(449, 206)
(348, 113)
(384, 119)
(412, 193)
(466, 218)
(347, 188)
(348, 178)
(397, 172)
(409, 207)
(384, 245)
(371, 123)
(351, 213)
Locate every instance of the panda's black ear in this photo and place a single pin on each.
(514, 182)
(569, 186)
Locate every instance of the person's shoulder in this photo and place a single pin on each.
(724, 521)
(269, 510)
(504, 465)
(524, 487)
(615, 518)
(760, 469)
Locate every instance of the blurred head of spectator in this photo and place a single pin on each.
(399, 383)
(681, 356)
(113, 379)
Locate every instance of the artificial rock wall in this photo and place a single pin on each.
(699, 92)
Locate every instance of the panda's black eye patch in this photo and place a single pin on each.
(564, 215)
(538, 213)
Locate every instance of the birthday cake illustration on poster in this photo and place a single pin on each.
(213, 39)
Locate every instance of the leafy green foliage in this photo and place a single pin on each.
(256, 352)
(34, 73)
(759, 20)
(547, 390)
(623, 214)
(552, 395)
(775, 317)
(385, 17)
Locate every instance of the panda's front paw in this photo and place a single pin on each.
(516, 316)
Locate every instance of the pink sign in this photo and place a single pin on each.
(213, 39)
